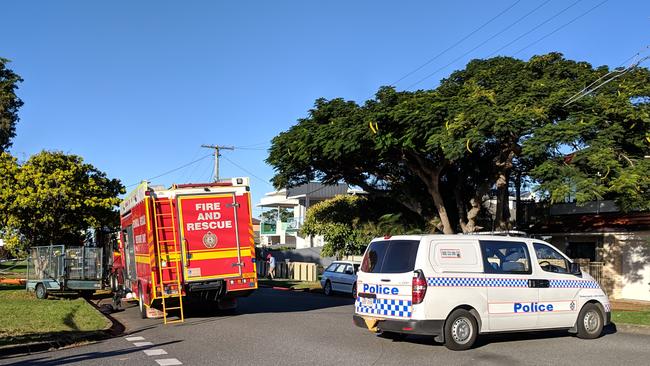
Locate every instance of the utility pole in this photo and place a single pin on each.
(216, 157)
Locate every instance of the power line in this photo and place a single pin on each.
(562, 26)
(536, 27)
(248, 171)
(456, 44)
(586, 91)
(251, 148)
(480, 44)
(171, 171)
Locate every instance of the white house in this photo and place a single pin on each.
(298, 200)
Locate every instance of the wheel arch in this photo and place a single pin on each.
(600, 306)
(471, 310)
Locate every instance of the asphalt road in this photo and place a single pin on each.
(288, 328)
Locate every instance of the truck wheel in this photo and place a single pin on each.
(590, 322)
(143, 309)
(113, 282)
(41, 292)
(461, 330)
(327, 290)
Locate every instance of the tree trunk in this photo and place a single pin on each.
(518, 199)
(434, 190)
(431, 178)
(504, 167)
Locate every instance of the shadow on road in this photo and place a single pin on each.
(85, 357)
(268, 301)
(486, 339)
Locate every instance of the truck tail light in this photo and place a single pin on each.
(418, 287)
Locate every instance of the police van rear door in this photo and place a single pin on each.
(385, 277)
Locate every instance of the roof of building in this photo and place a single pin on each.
(593, 223)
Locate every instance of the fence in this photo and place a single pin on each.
(299, 271)
(595, 269)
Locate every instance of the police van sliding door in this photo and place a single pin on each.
(511, 299)
(210, 236)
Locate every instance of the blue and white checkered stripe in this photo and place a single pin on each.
(504, 282)
(476, 282)
(573, 284)
(386, 307)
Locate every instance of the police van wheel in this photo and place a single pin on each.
(461, 330)
(590, 322)
(327, 290)
(143, 309)
(41, 292)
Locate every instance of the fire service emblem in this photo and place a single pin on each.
(209, 240)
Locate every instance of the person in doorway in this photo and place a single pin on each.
(271, 259)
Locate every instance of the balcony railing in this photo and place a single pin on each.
(290, 226)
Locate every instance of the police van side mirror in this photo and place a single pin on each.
(574, 269)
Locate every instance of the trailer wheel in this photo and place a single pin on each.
(41, 292)
(112, 279)
(143, 309)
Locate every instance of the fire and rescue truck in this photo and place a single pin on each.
(189, 240)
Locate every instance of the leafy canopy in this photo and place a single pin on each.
(54, 198)
(9, 104)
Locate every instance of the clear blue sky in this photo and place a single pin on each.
(135, 87)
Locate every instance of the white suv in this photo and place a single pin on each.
(454, 287)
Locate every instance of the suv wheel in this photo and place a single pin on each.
(327, 290)
(590, 322)
(461, 330)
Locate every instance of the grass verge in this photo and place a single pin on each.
(26, 319)
(631, 317)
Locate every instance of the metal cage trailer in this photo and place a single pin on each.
(190, 240)
(57, 269)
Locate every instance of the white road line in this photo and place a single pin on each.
(133, 339)
(169, 362)
(142, 344)
(155, 352)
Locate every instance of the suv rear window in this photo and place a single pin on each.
(390, 256)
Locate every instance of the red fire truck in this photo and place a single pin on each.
(189, 240)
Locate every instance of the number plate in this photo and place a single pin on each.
(368, 301)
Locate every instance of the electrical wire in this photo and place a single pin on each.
(247, 171)
(171, 171)
(479, 45)
(183, 174)
(536, 27)
(455, 44)
(562, 26)
(584, 92)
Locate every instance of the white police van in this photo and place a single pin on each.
(455, 287)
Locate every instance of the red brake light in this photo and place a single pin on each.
(418, 287)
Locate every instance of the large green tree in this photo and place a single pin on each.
(54, 198)
(9, 104)
(440, 152)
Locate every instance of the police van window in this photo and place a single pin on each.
(550, 259)
(505, 257)
(392, 256)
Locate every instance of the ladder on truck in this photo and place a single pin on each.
(169, 258)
